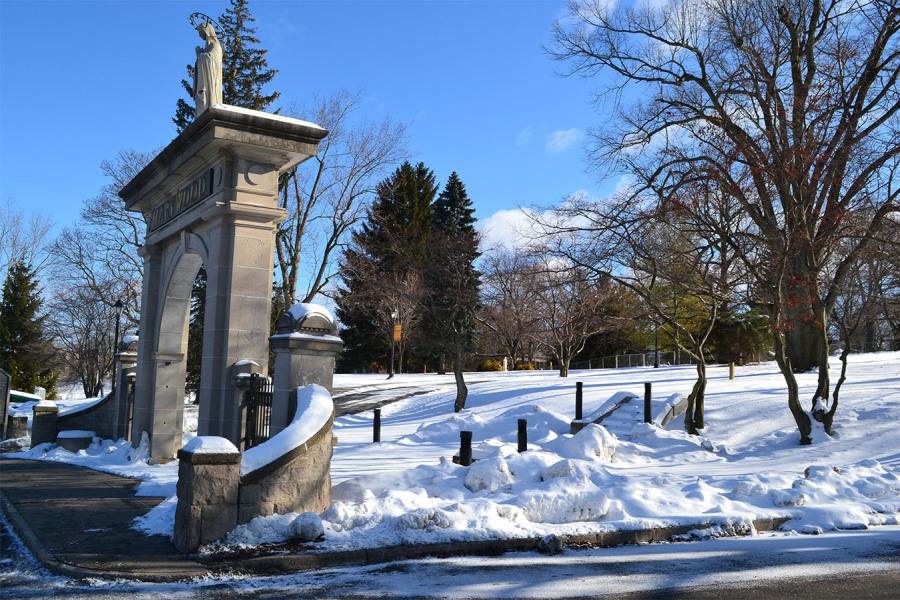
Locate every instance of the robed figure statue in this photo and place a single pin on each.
(207, 70)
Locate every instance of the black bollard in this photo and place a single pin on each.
(647, 397)
(376, 427)
(465, 448)
(578, 400)
(523, 435)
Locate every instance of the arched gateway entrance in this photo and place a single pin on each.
(210, 198)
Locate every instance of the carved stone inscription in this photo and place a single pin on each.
(188, 196)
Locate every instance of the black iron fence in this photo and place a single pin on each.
(258, 410)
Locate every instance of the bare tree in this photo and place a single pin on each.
(569, 311)
(100, 254)
(23, 238)
(327, 196)
(674, 264)
(509, 312)
(82, 330)
(790, 107)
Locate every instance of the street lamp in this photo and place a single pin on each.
(656, 346)
(118, 306)
(395, 334)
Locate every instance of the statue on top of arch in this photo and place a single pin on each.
(208, 68)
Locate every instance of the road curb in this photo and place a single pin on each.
(276, 564)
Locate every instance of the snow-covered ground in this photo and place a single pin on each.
(747, 464)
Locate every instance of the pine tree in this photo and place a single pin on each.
(451, 279)
(25, 349)
(195, 335)
(383, 268)
(245, 71)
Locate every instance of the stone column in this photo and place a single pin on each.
(305, 346)
(126, 363)
(44, 423)
(238, 308)
(209, 475)
(144, 401)
(241, 373)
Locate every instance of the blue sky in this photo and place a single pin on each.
(82, 80)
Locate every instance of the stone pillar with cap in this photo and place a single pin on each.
(126, 363)
(209, 475)
(306, 346)
(44, 426)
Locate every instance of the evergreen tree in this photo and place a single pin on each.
(25, 350)
(194, 356)
(245, 71)
(451, 279)
(382, 270)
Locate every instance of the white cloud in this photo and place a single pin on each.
(563, 139)
(510, 229)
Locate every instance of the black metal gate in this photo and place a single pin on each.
(258, 408)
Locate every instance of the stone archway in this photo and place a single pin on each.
(209, 198)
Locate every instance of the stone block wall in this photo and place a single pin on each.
(299, 481)
(207, 492)
(16, 427)
(44, 425)
(99, 418)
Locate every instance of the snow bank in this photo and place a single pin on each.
(314, 409)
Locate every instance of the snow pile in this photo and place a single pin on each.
(209, 444)
(77, 434)
(314, 408)
(543, 425)
(624, 474)
(306, 309)
(304, 527)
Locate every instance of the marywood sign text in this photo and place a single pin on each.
(185, 198)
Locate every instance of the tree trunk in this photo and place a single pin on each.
(823, 389)
(803, 346)
(462, 392)
(564, 367)
(784, 364)
(442, 364)
(693, 414)
(805, 324)
(828, 419)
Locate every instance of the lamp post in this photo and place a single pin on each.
(656, 346)
(395, 315)
(118, 306)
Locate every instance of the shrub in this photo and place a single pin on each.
(522, 365)
(490, 364)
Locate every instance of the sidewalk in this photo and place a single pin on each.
(77, 521)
